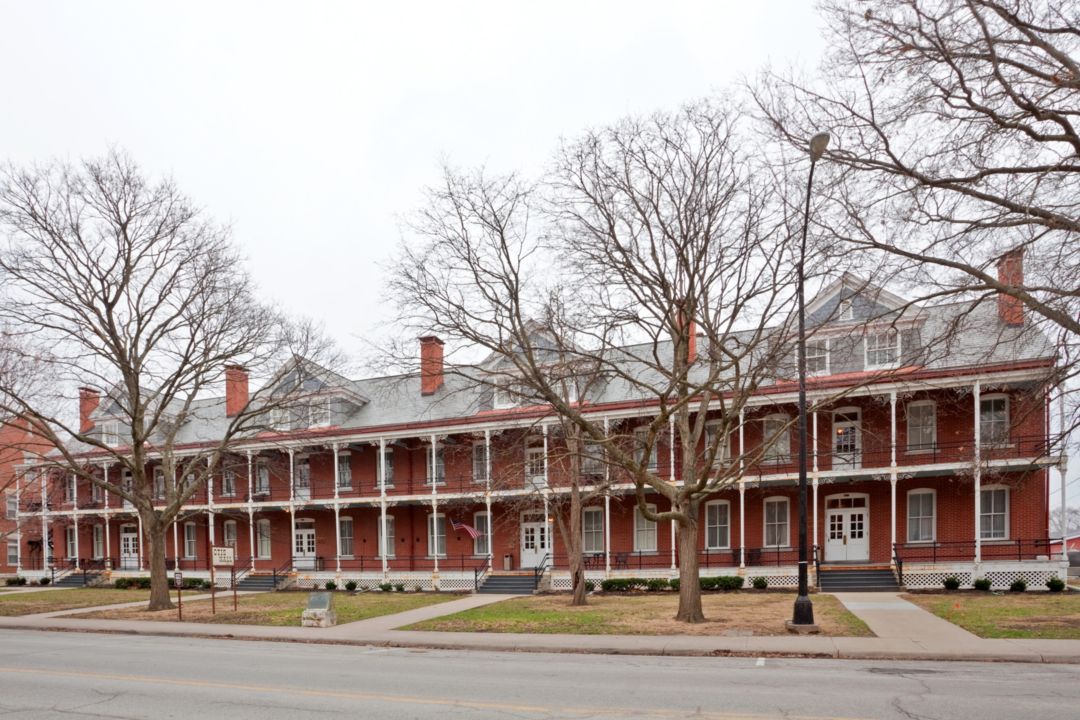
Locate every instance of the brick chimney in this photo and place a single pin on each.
(1011, 272)
(431, 364)
(89, 399)
(236, 389)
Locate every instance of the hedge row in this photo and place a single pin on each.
(720, 582)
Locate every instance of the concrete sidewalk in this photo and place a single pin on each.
(904, 634)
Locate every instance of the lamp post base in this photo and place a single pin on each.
(810, 629)
(804, 612)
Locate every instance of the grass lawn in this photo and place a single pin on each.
(726, 614)
(50, 600)
(1010, 615)
(283, 608)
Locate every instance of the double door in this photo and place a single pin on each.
(847, 530)
(535, 540)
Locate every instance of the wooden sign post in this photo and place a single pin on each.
(178, 581)
(220, 556)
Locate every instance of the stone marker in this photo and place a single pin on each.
(319, 612)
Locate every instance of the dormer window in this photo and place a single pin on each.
(318, 413)
(110, 433)
(817, 357)
(507, 395)
(882, 350)
(846, 310)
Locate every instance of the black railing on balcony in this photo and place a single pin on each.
(964, 550)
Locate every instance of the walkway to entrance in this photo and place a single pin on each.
(890, 616)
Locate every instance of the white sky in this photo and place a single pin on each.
(313, 127)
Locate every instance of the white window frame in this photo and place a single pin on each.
(589, 546)
(922, 447)
(640, 435)
(778, 451)
(262, 478)
(71, 487)
(645, 527)
(726, 504)
(1007, 512)
(480, 462)
(191, 541)
(345, 521)
(97, 493)
(159, 483)
(984, 438)
(845, 310)
(228, 483)
(11, 506)
(318, 413)
(824, 344)
(776, 499)
(229, 533)
(388, 464)
(264, 547)
(535, 465)
(482, 525)
(110, 433)
(897, 347)
(384, 536)
(723, 454)
(435, 523)
(70, 542)
(438, 477)
(97, 543)
(592, 459)
(344, 470)
(13, 551)
(933, 514)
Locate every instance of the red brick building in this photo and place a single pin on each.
(935, 462)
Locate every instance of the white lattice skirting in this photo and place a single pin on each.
(1000, 574)
(774, 576)
(413, 581)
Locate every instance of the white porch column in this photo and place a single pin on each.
(292, 507)
(175, 542)
(547, 491)
(337, 533)
(892, 473)
(742, 516)
(337, 478)
(249, 477)
(607, 505)
(814, 473)
(671, 454)
(892, 511)
(814, 487)
(210, 503)
(42, 478)
(384, 545)
(976, 393)
(434, 506)
(140, 543)
(1063, 466)
(487, 499)
(75, 522)
(108, 540)
(251, 513)
(19, 485)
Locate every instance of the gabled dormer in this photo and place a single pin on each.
(304, 395)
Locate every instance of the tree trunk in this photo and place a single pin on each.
(689, 584)
(160, 598)
(573, 547)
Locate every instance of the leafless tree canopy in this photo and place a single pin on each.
(122, 286)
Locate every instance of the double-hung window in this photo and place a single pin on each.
(482, 525)
(592, 531)
(13, 552)
(70, 488)
(262, 479)
(776, 437)
(344, 469)
(592, 459)
(388, 467)
(11, 505)
(776, 522)
(159, 483)
(921, 516)
(99, 542)
(436, 474)
(386, 537)
(262, 528)
(994, 514)
(722, 444)
(69, 536)
(228, 483)
(190, 542)
(436, 535)
(717, 525)
(921, 426)
(817, 357)
(641, 439)
(229, 533)
(644, 531)
(882, 349)
(994, 420)
(480, 462)
(345, 532)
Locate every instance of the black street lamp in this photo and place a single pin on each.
(803, 615)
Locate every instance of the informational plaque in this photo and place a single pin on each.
(223, 555)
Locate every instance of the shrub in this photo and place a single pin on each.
(589, 586)
(675, 584)
(350, 585)
(1055, 584)
(1018, 585)
(44, 581)
(417, 588)
(16, 581)
(951, 583)
(656, 585)
(613, 584)
(386, 587)
(760, 583)
(122, 583)
(727, 583)
(331, 585)
(400, 587)
(982, 584)
(144, 583)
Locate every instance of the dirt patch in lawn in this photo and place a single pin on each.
(281, 608)
(727, 614)
(1009, 615)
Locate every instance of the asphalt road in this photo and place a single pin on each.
(77, 675)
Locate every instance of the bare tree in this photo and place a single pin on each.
(645, 239)
(122, 287)
(956, 150)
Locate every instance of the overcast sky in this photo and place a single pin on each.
(312, 127)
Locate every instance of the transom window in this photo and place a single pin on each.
(994, 514)
(883, 349)
(592, 531)
(921, 426)
(838, 503)
(644, 531)
(921, 516)
(994, 420)
(717, 525)
(776, 522)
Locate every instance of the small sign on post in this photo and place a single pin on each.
(178, 581)
(220, 556)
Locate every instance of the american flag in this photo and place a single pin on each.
(473, 532)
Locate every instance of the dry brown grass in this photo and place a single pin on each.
(732, 614)
(44, 601)
(1037, 615)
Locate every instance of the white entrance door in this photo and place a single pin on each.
(535, 540)
(847, 439)
(304, 545)
(847, 528)
(129, 548)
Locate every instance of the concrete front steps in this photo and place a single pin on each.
(519, 583)
(857, 578)
(256, 583)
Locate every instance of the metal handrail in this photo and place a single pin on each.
(480, 573)
(899, 562)
(539, 570)
(965, 549)
(283, 570)
(817, 564)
